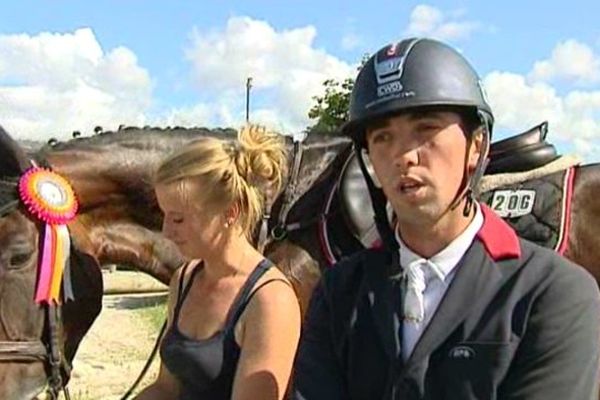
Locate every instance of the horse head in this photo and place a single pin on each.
(33, 336)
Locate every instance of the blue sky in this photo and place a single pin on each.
(67, 65)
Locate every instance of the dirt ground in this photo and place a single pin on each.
(114, 351)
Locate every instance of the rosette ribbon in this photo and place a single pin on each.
(50, 198)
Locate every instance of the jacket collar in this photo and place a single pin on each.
(477, 277)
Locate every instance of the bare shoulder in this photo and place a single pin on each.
(274, 273)
(273, 293)
(272, 308)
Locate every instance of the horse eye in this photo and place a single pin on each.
(18, 259)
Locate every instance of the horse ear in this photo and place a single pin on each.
(13, 160)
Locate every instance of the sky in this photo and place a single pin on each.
(74, 65)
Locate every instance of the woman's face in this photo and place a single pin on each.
(196, 230)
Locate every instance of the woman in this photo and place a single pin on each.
(234, 321)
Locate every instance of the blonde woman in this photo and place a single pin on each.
(234, 320)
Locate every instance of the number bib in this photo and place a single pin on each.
(513, 203)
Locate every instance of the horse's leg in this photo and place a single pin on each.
(298, 266)
(584, 234)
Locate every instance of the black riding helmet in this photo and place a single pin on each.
(409, 74)
(413, 73)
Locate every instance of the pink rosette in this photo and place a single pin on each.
(48, 196)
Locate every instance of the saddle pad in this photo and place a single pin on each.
(538, 209)
(493, 181)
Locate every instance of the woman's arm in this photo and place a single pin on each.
(270, 330)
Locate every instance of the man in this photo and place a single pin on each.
(455, 306)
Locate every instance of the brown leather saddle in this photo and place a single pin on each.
(522, 152)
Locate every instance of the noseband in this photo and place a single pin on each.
(49, 351)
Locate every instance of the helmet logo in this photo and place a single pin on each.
(392, 50)
(389, 88)
(389, 72)
(388, 66)
(389, 69)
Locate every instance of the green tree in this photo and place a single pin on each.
(330, 111)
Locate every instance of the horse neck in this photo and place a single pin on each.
(107, 169)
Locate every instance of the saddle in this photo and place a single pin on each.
(523, 152)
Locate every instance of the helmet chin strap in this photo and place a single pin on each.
(470, 184)
(379, 202)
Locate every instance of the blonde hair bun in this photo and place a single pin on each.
(261, 159)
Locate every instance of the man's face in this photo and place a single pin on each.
(419, 159)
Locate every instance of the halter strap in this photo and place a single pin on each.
(281, 229)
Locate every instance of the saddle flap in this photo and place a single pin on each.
(356, 204)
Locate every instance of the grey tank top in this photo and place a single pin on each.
(206, 368)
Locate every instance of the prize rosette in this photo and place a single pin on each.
(48, 196)
(51, 199)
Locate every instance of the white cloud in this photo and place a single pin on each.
(426, 20)
(52, 84)
(521, 101)
(519, 104)
(287, 68)
(197, 115)
(351, 41)
(216, 112)
(571, 61)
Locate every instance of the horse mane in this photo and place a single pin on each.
(154, 133)
(133, 134)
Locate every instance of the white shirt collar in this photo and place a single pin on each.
(444, 262)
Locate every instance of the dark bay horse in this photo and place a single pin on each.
(119, 222)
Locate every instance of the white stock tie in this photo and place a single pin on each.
(414, 307)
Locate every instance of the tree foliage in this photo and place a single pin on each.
(330, 111)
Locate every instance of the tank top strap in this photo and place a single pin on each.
(183, 291)
(240, 302)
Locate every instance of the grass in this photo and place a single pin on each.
(154, 315)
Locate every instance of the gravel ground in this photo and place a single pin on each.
(116, 348)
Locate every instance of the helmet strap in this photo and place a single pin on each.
(470, 183)
(464, 188)
(468, 203)
(379, 202)
(483, 160)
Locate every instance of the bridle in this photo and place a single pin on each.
(49, 351)
(281, 228)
